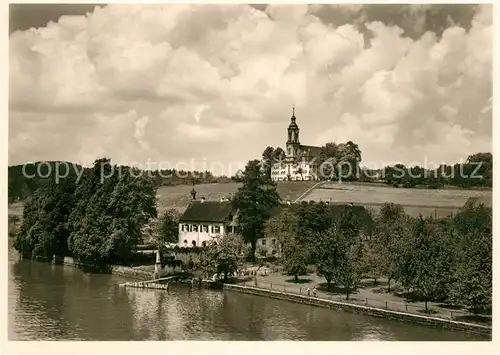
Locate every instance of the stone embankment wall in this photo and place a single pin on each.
(167, 270)
(377, 312)
(125, 271)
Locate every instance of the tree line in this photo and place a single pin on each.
(341, 161)
(97, 221)
(24, 180)
(476, 171)
(448, 260)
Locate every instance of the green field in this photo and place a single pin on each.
(179, 197)
(415, 201)
(426, 201)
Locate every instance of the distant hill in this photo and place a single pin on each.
(26, 179)
(23, 182)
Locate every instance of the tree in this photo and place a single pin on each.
(278, 154)
(268, 160)
(45, 231)
(313, 217)
(282, 226)
(327, 255)
(350, 252)
(294, 257)
(472, 268)
(327, 160)
(113, 205)
(349, 157)
(27, 238)
(373, 262)
(167, 227)
(255, 200)
(426, 263)
(391, 225)
(221, 255)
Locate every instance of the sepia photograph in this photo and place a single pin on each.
(243, 172)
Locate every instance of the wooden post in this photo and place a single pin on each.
(366, 301)
(406, 306)
(271, 285)
(385, 304)
(451, 314)
(300, 289)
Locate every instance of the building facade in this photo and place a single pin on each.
(204, 220)
(299, 162)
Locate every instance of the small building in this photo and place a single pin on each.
(204, 220)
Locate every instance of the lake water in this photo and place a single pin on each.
(49, 302)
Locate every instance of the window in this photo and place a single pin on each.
(211, 229)
(216, 229)
(195, 228)
(193, 243)
(185, 241)
(205, 228)
(263, 242)
(203, 244)
(273, 241)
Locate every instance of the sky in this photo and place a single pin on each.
(209, 87)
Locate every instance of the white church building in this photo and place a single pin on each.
(299, 161)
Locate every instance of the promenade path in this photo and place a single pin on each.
(368, 294)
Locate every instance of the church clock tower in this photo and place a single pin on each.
(293, 142)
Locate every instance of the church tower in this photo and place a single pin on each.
(293, 142)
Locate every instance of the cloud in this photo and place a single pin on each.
(180, 82)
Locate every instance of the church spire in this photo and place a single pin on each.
(293, 129)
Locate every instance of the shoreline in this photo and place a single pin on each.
(484, 330)
(125, 271)
(364, 310)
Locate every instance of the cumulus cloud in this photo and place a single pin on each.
(217, 83)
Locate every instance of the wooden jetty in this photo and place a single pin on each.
(152, 284)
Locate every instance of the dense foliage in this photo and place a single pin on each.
(98, 220)
(339, 161)
(44, 230)
(255, 200)
(477, 171)
(446, 260)
(221, 256)
(24, 180)
(166, 228)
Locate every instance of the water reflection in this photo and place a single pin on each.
(57, 302)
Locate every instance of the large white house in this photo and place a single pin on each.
(204, 220)
(299, 162)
